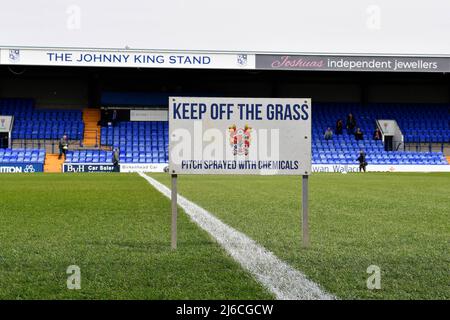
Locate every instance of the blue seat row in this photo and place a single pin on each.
(48, 130)
(22, 156)
(100, 156)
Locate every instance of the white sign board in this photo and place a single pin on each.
(142, 167)
(148, 115)
(239, 136)
(126, 58)
(5, 123)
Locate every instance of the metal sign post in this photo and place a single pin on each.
(305, 225)
(174, 211)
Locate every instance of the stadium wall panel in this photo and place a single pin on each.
(48, 92)
(404, 93)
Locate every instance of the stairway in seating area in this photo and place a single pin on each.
(52, 163)
(91, 117)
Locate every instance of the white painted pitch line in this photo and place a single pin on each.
(285, 282)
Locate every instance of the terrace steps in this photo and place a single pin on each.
(91, 117)
(52, 163)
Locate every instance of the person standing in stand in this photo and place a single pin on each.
(63, 146)
(351, 124)
(377, 134)
(339, 127)
(116, 157)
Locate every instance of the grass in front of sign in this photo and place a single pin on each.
(397, 221)
(116, 228)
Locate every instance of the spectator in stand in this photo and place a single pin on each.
(339, 127)
(114, 117)
(63, 146)
(115, 159)
(107, 117)
(351, 124)
(328, 134)
(377, 134)
(359, 134)
(362, 161)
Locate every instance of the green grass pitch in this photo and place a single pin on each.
(116, 228)
(397, 221)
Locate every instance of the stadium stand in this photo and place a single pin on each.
(147, 142)
(343, 149)
(31, 123)
(418, 122)
(138, 142)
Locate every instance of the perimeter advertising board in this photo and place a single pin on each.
(240, 136)
(21, 167)
(108, 167)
